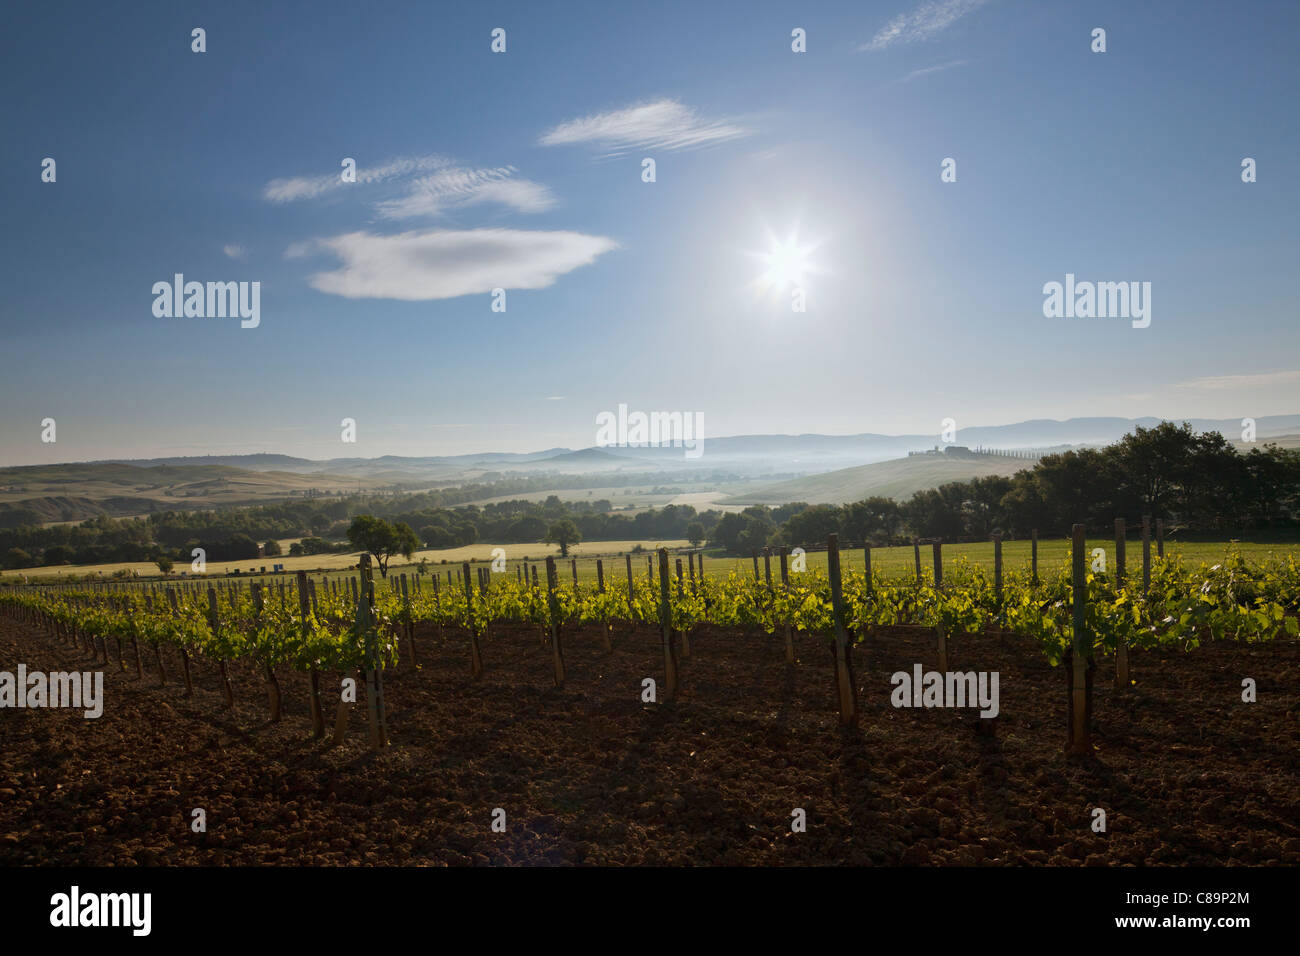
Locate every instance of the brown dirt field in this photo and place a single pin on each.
(1186, 772)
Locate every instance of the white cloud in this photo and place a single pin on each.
(309, 187)
(233, 250)
(933, 69)
(924, 23)
(457, 186)
(444, 264)
(1254, 380)
(662, 124)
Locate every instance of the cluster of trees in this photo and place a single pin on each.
(324, 526)
(1198, 481)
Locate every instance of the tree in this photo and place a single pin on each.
(695, 533)
(17, 558)
(563, 533)
(382, 540)
(272, 548)
(164, 564)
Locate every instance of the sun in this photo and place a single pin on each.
(786, 265)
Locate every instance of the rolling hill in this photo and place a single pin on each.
(898, 479)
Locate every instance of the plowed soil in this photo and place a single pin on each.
(1186, 772)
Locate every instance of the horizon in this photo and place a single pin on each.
(561, 450)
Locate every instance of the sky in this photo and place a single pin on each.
(776, 174)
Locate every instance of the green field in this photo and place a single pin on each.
(1053, 554)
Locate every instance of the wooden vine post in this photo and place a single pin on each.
(157, 645)
(366, 627)
(553, 616)
(666, 627)
(185, 654)
(272, 685)
(313, 694)
(1146, 554)
(214, 622)
(1160, 538)
(997, 570)
(1033, 552)
(685, 638)
(408, 620)
(600, 589)
(1121, 646)
(135, 639)
(631, 596)
(1079, 659)
(916, 553)
(475, 653)
(844, 679)
(785, 586)
(940, 633)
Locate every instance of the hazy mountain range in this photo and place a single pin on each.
(740, 469)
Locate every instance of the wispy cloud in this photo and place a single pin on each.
(661, 124)
(924, 23)
(1252, 380)
(309, 187)
(457, 186)
(933, 69)
(233, 250)
(444, 264)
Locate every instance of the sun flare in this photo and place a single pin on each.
(786, 265)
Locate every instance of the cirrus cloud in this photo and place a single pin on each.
(924, 23)
(445, 264)
(661, 124)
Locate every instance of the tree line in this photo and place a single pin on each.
(1199, 482)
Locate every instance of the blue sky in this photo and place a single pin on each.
(524, 170)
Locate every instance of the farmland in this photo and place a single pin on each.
(500, 694)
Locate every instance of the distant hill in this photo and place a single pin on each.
(897, 479)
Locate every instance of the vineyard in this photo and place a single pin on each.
(364, 629)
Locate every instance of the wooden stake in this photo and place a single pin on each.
(313, 698)
(557, 654)
(1080, 740)
(214, 622)
(185, 657)
(1146, 554)
(666, 627)
(844, 679)
(997, 570)
(1122, 677)
(785, 586)
(475, 653)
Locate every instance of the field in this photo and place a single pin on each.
(714, 721)
(588, 774)
(1052, 553)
